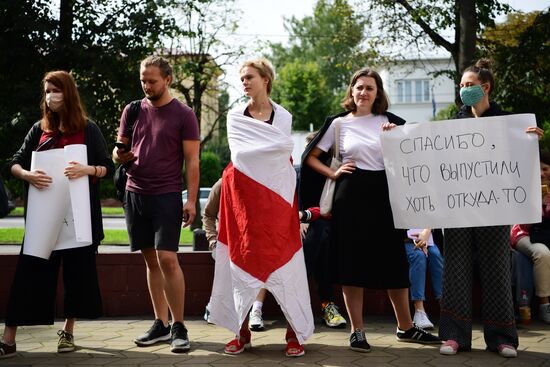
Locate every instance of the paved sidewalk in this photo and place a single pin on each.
(108, 342)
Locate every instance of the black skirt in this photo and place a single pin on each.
(368, 251)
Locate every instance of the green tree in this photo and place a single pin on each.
(101, 42)
(218, 144)
(26, 28)
(199, 56)
(333, 38)
(520, 49)
(416, 22)
(302, 89)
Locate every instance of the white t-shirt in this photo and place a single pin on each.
(359, 140)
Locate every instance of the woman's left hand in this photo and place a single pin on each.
(535, 130)
(386, 126)
(76, 170)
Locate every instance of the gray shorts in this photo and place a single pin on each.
(153, 220)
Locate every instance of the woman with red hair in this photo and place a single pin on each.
(32, 297)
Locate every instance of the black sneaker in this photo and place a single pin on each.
(416, 335)
(180, 340)
(358, 341)
(157, 333)
(7, 351)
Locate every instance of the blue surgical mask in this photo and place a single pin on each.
(471, 95)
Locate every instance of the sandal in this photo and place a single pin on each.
(293, 347)
(235, 346)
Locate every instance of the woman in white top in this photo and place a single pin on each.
(368, 250)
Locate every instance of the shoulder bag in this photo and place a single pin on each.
(120, 177)
(327, 195)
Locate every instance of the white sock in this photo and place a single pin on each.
(257, 306)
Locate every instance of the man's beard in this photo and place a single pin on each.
(154, 97)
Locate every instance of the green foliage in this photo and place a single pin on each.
(544, 143)
(107, 188)
(105, 41)
(15, 186)
(333, 38)
(404, 18)
(211, 169)
(220, 148)
(27, 28)
(446, 113)
(199, 55)
(302, 89)
(522, 68)
(421, 24)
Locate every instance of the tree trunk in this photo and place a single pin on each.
(197, 107)
(64, 40)
(468, 33)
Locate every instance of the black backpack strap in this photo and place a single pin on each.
(133, 113)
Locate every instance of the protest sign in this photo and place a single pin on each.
(58, 217)
(464, 172)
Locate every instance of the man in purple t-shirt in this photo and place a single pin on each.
(164, 136)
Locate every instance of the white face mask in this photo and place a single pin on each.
(54, 101)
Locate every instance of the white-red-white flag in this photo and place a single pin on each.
(259, 242)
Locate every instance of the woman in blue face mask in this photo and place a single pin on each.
(488, 247)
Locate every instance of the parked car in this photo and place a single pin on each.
(203, 196)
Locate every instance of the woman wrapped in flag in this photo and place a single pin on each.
(259, 242)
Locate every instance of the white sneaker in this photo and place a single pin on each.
(255, 321)
(206, 316)
(544, 312)
(421, 320)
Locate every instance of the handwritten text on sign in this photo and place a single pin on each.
(463, 173)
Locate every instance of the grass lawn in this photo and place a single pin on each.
(112, 211)
(18, 211)
(14, 236)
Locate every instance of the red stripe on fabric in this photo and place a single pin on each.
(260, 228)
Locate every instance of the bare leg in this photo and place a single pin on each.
(353, 297)
(69, 325)
(400, 302)
(419, 305)
(261, 296)
(173, 283)
(9, 334)
(155, 283)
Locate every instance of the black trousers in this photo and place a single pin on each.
(317, 256)
(486, 249)
(32, 296)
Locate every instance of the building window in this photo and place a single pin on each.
(413, 91)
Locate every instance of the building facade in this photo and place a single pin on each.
(417, 89)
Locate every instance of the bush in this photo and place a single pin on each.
(211, 169)
(544, 143)
(107, 187)
(446, 113)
